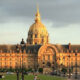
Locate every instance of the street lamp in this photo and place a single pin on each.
(64, 60)
(17, 49)
(22, 49)
(43, 64)
(69, 66)
(76, 64)
(64, 64)
(59, 67)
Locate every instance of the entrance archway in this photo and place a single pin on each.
(47, 54)
(48, 64)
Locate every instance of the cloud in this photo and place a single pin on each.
(58, 11)
(58, 16)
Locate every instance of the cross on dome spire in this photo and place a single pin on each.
(37, 9)
(37, 19)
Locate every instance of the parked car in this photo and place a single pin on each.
(69, 74)
(54, 73)
(9, 73)
(26, 73)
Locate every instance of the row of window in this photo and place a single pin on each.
(48, 57)
(71, 64)
(30, 42)
(12, 59)
(32, 36)
(11, 63)
(66, 54)
(69, 59)
(61, 59)
(35, 36)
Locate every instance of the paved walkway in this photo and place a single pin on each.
(73, 77)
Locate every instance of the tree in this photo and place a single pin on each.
(64, 70)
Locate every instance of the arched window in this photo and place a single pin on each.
(43, 58)
(48, 64)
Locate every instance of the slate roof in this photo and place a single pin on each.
(65, 48)
(7, 48)
(35, 48)
(32, 48)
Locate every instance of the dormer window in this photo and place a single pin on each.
(30, 42)
(36, 43)
(31, 35)
(35, 35)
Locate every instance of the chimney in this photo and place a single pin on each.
(69, 46)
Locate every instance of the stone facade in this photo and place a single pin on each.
(38, 52)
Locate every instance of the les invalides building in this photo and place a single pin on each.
(37, 52)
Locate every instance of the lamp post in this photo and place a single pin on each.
(64, 60)
(22, 49)
(69, 66)
(75, 64)
(56, 64)
(64, 64)
(59, 66)
(43, 64)
(17, 49)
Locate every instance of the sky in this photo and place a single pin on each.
(61, 18)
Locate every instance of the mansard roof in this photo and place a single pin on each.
(65, 48)
(35, 48)
(7, 48)
(32, 48)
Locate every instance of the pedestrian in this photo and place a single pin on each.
(35, 77)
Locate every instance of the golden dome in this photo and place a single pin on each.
(37, 33)
(38, 28)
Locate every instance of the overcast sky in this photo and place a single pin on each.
(61, 18)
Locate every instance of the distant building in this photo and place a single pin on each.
(38, 52)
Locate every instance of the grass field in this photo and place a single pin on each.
(31, 77)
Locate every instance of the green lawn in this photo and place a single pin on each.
(30, 77)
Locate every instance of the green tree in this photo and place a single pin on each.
(64, 70)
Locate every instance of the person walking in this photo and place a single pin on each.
(35, 77)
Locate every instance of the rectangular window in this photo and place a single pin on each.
(53, 58)
(67, 64)
(43, 58)
(71, 63)
(49, 57)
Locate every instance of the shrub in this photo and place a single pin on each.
(30, 70)
(64, 70)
